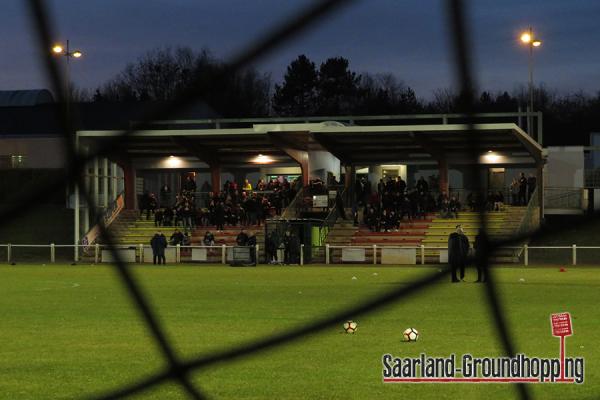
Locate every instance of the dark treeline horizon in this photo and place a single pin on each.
(330, 88)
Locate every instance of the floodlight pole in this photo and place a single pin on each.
(76, 209)
(530, 113)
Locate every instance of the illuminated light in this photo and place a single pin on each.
(173, 162)
(537, 43)
(58, 49)
(490, 157)
(526, 37)
(77, 54)
(262, 159)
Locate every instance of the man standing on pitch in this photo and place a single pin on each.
(458, 251)
(159, 244)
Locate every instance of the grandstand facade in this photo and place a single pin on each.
(338, 152)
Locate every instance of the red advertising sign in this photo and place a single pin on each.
(561, 324)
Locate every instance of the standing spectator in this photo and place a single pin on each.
(287, 247)
(189, 185)
(242, 238)
(458, 251)
(247, 186)
(422, 185)
(339, 204)
(152, 205)
(158, 244)
(205, 187)
(158, 217)
(401, 185)
(514, 192)
(522, 201)
(176, 238)
(271, 248)
(252, 244)
(220, 217)
(144, 204)
(165, 195)
(531, 181)
(186, 216)
(168, 217)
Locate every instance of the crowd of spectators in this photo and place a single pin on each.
(521, 189)
(393, 201)
(234, 205)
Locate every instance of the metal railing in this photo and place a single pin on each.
(333, 254)
(531, 219)
(291, 211)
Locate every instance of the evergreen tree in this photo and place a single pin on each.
(338, 87)
(297, 96)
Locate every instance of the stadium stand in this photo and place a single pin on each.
(131, 229)
(432, 231)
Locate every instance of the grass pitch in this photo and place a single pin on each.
(69, 332)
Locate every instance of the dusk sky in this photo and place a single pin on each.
(409, 38)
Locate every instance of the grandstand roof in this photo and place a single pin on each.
(497, 143)
(22, 98)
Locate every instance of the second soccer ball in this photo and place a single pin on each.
(411, 335)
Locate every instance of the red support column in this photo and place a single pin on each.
(215, 176)
(130, 194)
(443, 171)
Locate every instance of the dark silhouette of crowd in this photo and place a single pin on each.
(393, 201)
(234, 205)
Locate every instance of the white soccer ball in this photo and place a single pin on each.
(411, 335)
(350, 326)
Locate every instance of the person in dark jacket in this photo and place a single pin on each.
(220, 217)
(480, 246)
(339, 204)
(159, 244)
(176, 238)
(458, 251)
(242, 238)
(287, 247)
(252, 244)
(271, 248)
(294, 249)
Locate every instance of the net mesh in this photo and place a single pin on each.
(179, 371)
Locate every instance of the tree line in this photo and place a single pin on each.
(331, 88)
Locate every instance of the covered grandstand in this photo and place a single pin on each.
(220, 150)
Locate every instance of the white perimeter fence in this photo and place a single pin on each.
(328, 254)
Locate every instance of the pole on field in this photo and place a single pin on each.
(8, 252)
(256, 251)
(574, 254)
(302, 254)
(96, 253)
(422, 254)
(526, 254)
(141, 246)
(52, 253)
(374, 254)
(223, 254)
(327, 253)
(178, 253)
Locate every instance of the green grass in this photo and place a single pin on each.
(71, 331)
